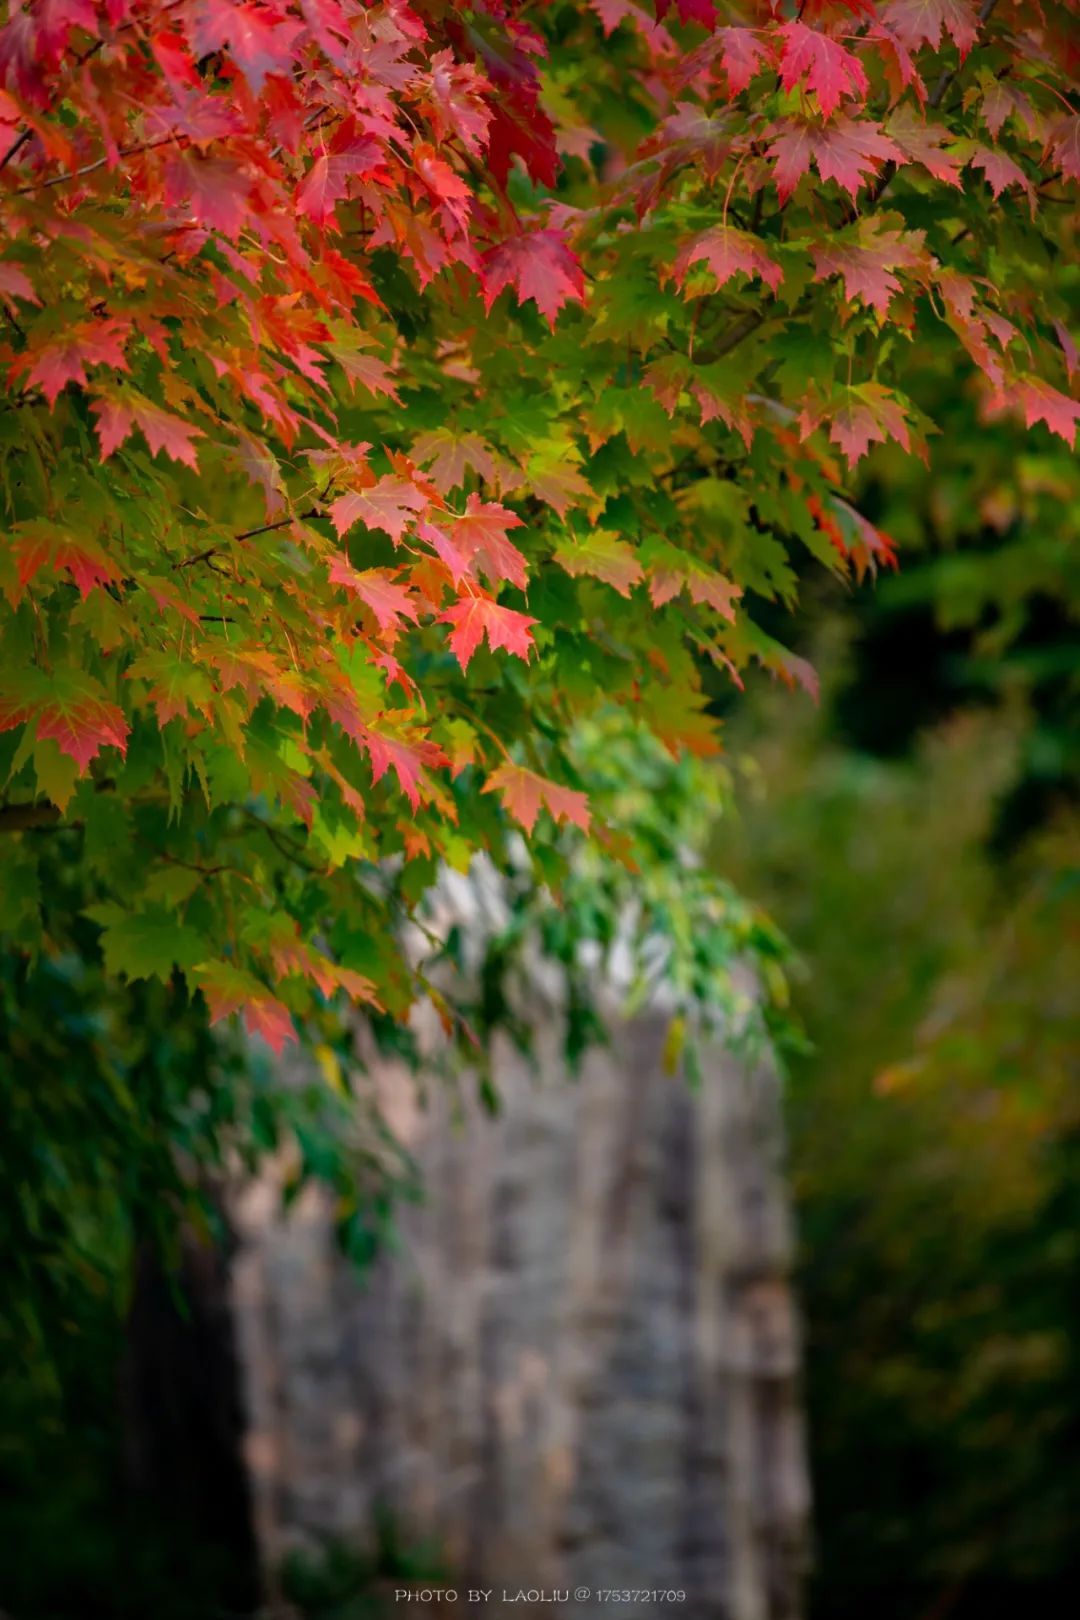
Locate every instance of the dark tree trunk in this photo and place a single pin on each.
(184, 1422)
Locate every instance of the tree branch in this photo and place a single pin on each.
(740, 329)
(99, 163)
(281, 523)
(24, 817)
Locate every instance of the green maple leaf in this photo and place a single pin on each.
(146, 944)
(20, 900)
(57, 773)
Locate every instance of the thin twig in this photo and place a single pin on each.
(23, 817)
(89, 168)
(200, 556)
(16, 147)
(281, 523)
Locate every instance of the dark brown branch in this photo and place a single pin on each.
(99, 163)
(200, 556)
(247, 534)
(740, 329)
(16, 147)
(281, 523)
(25, 817)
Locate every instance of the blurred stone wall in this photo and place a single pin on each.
(579, 1369)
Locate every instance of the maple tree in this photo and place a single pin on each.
(391, 388)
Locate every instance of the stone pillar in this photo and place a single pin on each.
(579, 1366)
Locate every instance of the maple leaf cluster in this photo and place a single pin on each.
(390, 386)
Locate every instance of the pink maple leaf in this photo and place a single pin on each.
(831, 72)
(474, 617)
(538, 265)
(389, 505)
(728, 252)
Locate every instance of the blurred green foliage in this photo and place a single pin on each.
(340, 1583)
(122, 1113)
(918, 837)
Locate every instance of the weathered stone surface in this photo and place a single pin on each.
(578, 1370)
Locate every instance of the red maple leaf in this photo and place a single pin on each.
(449, 456)
(456, 101)
(524, 793)
(1065, 145)
(322, 188)
(728, 252)
(847, 151)
(716, 395)
(867, 259)
(860, 416)
(216, 191)
(479, 538)
(924, 141)
(118, 415)
(260, 466)
(925, 22)
(442, 543)
(1002, 101)
(519, 126)
(831, 72)
(474, 617)
(539, 265)
(63, 359)
(259, 40)
(741, 51)
(853, 535)
(1042, 403)
(366, 369)
(975, 326)
(379, 591)
(42, 545)
(409, 758)
(899, 63)
(1001, 171)
(703, 584)
(350, 158)
(699, 11)
(389, 505)
(200, 118)
(229, 990)
(15, 283)
(270, 1018)
(688, 135)
(70, 708)
(443, 182)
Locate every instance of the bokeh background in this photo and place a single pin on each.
(917, 837)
